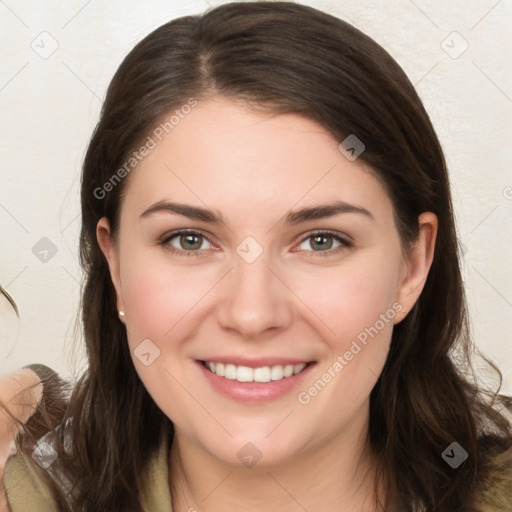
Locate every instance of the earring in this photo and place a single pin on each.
(121, 314)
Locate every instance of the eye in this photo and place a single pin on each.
(188, 242)
(323, 241)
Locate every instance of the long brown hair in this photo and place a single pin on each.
(282, 57)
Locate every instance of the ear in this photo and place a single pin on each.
(109, 250)
(417, 264)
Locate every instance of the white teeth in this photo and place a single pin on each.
(298, 368)
(277, 372)
(244, 374)
(288, 370)
(229, 371)
(262, 374)
(218, 369)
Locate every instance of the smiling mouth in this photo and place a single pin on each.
(262, 374)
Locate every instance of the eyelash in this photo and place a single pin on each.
(345, 243)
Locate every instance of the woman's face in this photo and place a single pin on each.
(253, 289)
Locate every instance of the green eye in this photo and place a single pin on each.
(191, 242)
(320, 236)
(185, 237)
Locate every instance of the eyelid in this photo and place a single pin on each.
(346, 243)
(186, 231)
(336, 234)
(345, 240)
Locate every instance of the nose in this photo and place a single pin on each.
(254, 299)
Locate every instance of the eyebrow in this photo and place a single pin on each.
(293, 218)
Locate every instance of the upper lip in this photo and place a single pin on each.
(256, 362)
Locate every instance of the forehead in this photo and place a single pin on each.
(224, 155)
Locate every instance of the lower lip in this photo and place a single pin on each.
(254, 392)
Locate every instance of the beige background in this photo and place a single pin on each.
(50, 103)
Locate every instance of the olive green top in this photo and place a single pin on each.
(26, 492)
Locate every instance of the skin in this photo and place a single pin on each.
(292, 301)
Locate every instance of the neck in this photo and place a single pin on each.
(337, 474)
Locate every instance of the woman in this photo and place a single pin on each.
(273, 295)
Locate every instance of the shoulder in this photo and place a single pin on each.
(494, 492)
(156, 494)
(25, 487)
(28, 475)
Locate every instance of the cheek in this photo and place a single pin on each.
(350, 297)
(341, 300)
(159, 297)
(355, 309)
(160, 301)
